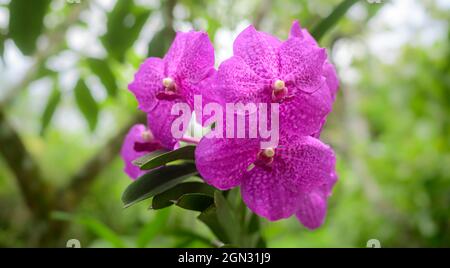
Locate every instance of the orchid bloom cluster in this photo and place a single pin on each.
(294, 177)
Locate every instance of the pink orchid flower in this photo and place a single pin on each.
(160, 83)
(138, 142)
(294, 178)
(294, 73)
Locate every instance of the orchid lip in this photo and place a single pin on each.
(146, 146)
(167, 95)
(279, 95)
(170, 90)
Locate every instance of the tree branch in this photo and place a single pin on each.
(34, 190)
(69, 197)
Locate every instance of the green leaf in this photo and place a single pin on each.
(50, 108)
(102, 231)
(227, 218)
(261, 243)
(189, 235)
(156, 182)
(160, 43)
(102, 69)
(95, 226)
(327, 23)
(148, 156)
(209, 217)
(153, 228)
(26, 22)
(43, 71)
(173, 195)
(253, 224)
(124, 25)
(195, 201)
(86, 104)
(151, 161)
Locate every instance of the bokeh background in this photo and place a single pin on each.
(64, 108)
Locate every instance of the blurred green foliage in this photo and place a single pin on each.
(390, 126)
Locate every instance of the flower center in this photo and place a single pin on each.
(169, 84)
(279, 90)
(170, 90)
(265, 156)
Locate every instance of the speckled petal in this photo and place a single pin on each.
(296, 30)
(129, 154)
(259, 51)
(301, 64)
(237, 82)
(331, 78)
(270, 193)
(160, 123)
(312, 210)
(189, 60)
(313, 206)
(314, 160)
(328, 68)
(301, 164)
(223, 162)
(305, 113)
(147, 82)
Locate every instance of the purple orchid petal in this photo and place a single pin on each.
(274, 42)
(189, 60)
(331, 78)
(312, 210)
(237, 82)
(302, 64)
(147, 83)
(328, 187)
(160, 123)
(296, 30)
(301, 164)
(328, 68)
(128, 152)
(259, 51)
(269, 192)
(315, 160)
(176, 53)
(223, 162)
(305, 113)
(313, 206)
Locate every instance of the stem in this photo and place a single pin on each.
(189, 139)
